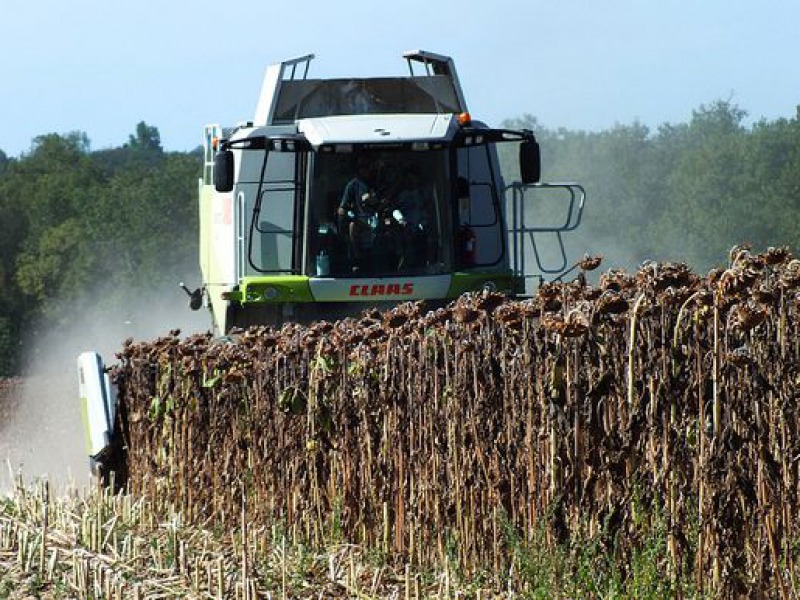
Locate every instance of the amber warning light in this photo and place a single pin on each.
(464, 118)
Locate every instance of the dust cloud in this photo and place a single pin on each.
(43, 437)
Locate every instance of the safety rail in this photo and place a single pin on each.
(519, 228)
(288, 68)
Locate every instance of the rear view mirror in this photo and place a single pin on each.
(530, 161)
(223, 171)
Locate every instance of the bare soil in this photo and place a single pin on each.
(40, 431)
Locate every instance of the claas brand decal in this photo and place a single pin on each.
(381, 289)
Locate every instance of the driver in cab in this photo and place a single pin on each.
(358, 206)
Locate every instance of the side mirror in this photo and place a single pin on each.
(223, 171)
(530, 161)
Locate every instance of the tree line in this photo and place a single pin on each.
(84, 230)
(683, 192)
(90, 229)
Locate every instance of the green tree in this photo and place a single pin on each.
(707, 187)
(12, 233)
(103, 226)
(52, 187)
(146, 137)
(686, 191)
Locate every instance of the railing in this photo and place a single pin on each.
(519, 228)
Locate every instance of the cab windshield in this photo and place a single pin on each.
(379, 214)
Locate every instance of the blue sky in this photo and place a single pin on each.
(101, 67)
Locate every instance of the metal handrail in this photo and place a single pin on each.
(519, 228)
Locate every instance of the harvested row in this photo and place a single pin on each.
(655, 403)
(9, 399)
(97, 544)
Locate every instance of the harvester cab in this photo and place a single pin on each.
(354, 192)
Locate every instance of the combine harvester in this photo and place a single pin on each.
(283, 237)
(343, 194)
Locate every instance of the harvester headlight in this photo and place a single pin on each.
(270, 293)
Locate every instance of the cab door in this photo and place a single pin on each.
(270, 200)
(481, 239)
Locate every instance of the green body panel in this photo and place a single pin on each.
(84, 405)
(504, 282)
(282, 288)
(295, 288)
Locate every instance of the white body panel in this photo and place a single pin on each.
(223, 237)
(377, 128)
(98, 402)
(270, 86)
(266, 99)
